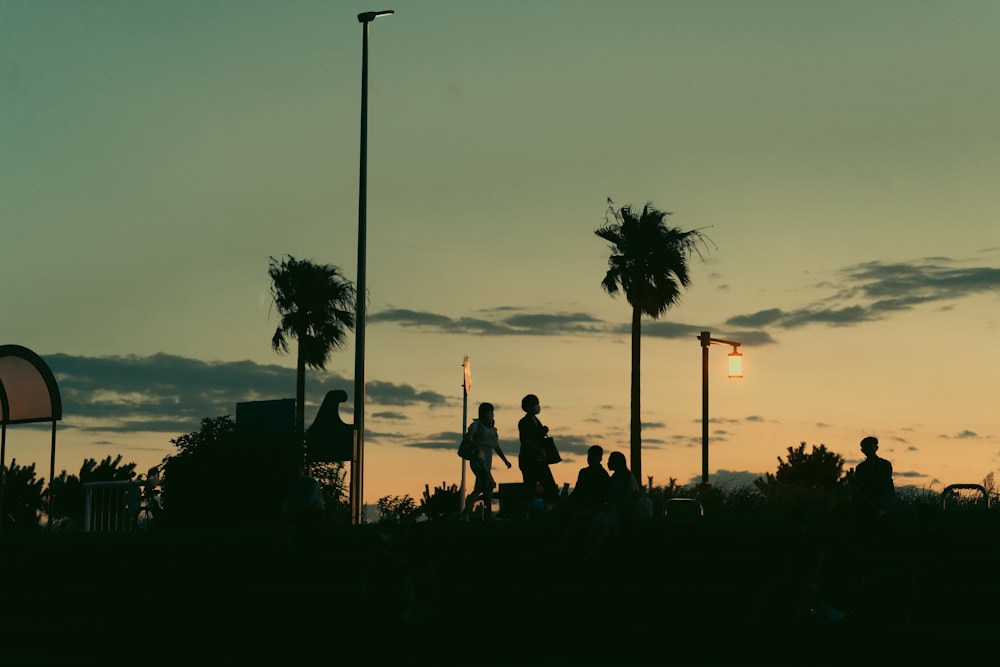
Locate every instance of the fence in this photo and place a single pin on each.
(110, 506)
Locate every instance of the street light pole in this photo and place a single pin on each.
(357, 462)
(735, 371)
(466, 387)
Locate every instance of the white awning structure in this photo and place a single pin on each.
(28, 394)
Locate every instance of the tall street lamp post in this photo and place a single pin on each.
(357, 463)
(735, 371)
(466, 388)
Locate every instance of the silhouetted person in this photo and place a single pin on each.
(624, 503)
(623, 489)
(483, 432)
(531, 459)
(871, 482)
(589, 494)
(591, 490)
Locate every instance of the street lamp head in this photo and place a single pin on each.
(735, 363)
(368, 17)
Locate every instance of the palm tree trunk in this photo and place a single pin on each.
(636, 425)
(300, 407)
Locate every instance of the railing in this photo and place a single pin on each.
(110, 506)
(953, 498)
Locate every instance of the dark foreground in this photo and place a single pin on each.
(723, 590)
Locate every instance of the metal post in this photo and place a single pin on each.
(358, 460)
(52, 476)
(357, 465)
(465, 413)
(3, 466)
(706, 340)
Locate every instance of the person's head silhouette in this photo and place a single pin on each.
(869, 446)
(595, 454)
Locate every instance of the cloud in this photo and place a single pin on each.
(387, 393)
(498, 322)
(509, 321)
(172, 394)
(389, 415)
(663, 329)
(870, 291)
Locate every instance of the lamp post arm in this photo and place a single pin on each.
(706, 340)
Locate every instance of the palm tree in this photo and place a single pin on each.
(649, 263)
(317, 305)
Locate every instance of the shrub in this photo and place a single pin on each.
(397, 509)
(444, 502)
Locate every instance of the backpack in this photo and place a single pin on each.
(467, 449)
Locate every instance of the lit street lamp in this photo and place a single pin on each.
(735, 371)
(357, 464)
(466, 388)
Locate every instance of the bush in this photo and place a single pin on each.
(396, 509)
(445, 501)
(22, 498)
(221, 476)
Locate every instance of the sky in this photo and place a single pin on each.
(841, 157)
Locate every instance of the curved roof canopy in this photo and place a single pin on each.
(28, 389)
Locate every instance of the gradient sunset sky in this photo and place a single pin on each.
(844, 159)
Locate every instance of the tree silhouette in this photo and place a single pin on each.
(23, 499)
(813, 476)
(221, 475)
(207, 469)
(316, 305)
(649, 263)
(397, 509)
(820, 468)
(332, 479)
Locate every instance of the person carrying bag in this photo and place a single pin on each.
(533, 460)
(482, 435)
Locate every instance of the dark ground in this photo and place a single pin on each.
(722, 590)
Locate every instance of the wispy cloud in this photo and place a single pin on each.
(507, 321)
(871, 291)
(498, 322)
(859, 293)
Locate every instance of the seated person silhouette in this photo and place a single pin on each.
(624, 503)
(589, 494)
(591, 488)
